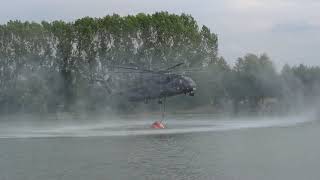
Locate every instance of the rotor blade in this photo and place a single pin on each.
(192, 69)
(133, 68)
(134, 72)
(172, 67)
(124, 67)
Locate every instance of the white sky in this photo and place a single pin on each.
(287, 30)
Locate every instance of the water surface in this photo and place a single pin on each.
(191, 148)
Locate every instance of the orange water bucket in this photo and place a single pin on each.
(158, 125)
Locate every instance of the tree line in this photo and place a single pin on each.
(51, 66)
(253, 84)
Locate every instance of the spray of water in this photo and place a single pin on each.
(134, 127)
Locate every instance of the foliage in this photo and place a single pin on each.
(52, 66)
(75, 53)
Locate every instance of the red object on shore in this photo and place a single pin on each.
(158, 125)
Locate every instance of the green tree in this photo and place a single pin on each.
(253, 79)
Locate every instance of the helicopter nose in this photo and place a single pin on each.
(191, 86)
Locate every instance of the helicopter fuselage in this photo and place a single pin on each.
(157, 86)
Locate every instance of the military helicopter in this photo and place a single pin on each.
(155, 84)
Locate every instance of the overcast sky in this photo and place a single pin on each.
(287, 30)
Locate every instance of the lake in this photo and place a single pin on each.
(193, 147)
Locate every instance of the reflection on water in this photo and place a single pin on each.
(165, 157)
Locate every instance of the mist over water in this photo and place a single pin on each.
(134, 126)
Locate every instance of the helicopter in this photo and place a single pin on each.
(152, 84)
